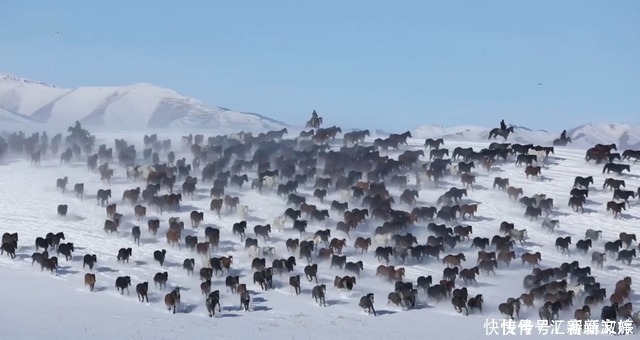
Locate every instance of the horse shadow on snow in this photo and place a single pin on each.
(385, 312)
(555, 213)
(560, 232)
(480, 218)
(628, 217)
(106, 270)
(66, 270)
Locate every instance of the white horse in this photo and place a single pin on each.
(278, 222)
(185, 143)
(253, 252)
(346, 195)
(237, 136)
(541, 155)
(270, 181)
(550, 224)
(146, 171)
(133, 172)
(244, 212)
(422, 177)
(455, 169)
(382, 239)
(268, 251)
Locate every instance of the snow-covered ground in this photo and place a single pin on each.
(38, 304)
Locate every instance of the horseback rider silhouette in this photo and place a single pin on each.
(314, 115)
(503, 126)
(563, 135)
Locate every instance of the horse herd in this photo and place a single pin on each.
(352, 187)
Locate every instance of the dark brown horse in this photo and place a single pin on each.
(469, 209)
(616, 207)
(533, 171)
(531, 259)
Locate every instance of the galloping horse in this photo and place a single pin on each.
(494, 133)
(561, 142)
(314, 122)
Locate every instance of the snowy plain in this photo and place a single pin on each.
(39, 304)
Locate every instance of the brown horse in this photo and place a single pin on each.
(469, 274)
(90, 280)
(514, 192)
(172, 299)
(337, 245)
(61, 183)
(173, 238)
(205, 287)
(533, 171)
(616, 208)
(527, 299)
(111, 210)
(531, 259)
(454, 260)
(216, 205)
(153, 225)
(390, 272)
(196, 218)
(596, 154)
(576, 203)
(467, 180)
(231, 202)
(140, 212)
(468, 209)
(506, 257)
(363, 244)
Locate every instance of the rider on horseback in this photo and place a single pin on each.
(314, 115)
(503, 126)
(563, 135)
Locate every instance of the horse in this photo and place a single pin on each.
(494, 133)
(562, 142)
(433, 143)
(172, 299)
(531, 259)
(616, 208)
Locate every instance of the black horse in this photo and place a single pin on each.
(494, 133)
(561, 142)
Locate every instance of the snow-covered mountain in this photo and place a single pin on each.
(624, 135)
(134, 106)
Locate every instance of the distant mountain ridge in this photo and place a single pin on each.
(626, 136)
(139, 105)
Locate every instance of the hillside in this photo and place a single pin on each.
(624, 135)
(133, 106)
